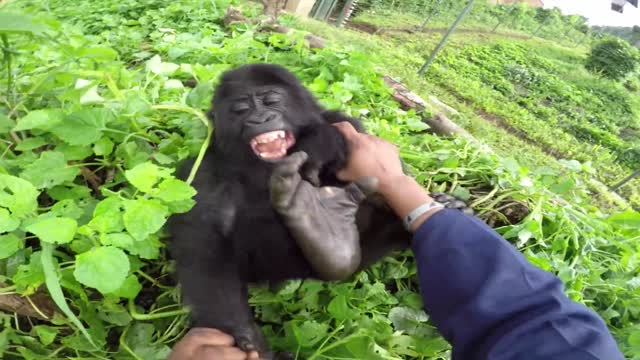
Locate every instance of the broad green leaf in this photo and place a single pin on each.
(407, 319)
(309, 333)
(146, 175)
(174, 190)
(53, 286)
(173, 84)
(107, 216)
(103, 147)
(148, 248)
(156, 66)
(43, 119)
(74, 152)
(91, 96)
(45, 333)
(18, 195)
(9, 244)
(7, 223)
(130, 288)
(29, 275)
(19, 23)
(83, 127)
(104, 268)
(6, 124)
(55, 230)
(121, 240)
(628, 219)
(49, 170)
(31, 143)
(144, 217)
(104, 53)
(339, 309)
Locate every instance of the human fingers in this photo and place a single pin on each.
(196, 338)
(346, 129)
(219, 353)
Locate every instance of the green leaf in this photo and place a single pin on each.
(55, 230)
(49, 170)
(407, 319)
(53, 286)
(103, 147)
(144, 217)
(146, 175)
(104, 268)
(74, 152)
(156, 66)
(121, 240)
(175, 190)
(107, 216)
(6, 124)
(7, 223)
(148, 249)
(339, 308)
(129, 289)
(18, 195)
(43, 119)
(628, 219)
(45, 333)
(309, 333)
(9, 244)
(83, 127)
(104, 53)
(31, 143)
(19, 23)
(91, 96)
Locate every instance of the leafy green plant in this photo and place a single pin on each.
(101, 113)
(613, 58)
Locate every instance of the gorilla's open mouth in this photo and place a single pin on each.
(272, 145)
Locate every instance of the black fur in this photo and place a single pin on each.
(232, 236)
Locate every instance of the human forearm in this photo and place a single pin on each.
(404, 194)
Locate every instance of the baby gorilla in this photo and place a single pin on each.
(233, 236)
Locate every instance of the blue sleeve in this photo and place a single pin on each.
(489, 302)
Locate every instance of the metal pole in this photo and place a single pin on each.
(446, 37)
(625, 180)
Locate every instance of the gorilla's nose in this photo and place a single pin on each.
(261, 118)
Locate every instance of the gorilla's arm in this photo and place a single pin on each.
(207, 270)
(321, 220)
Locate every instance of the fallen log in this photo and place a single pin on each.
(38, 305)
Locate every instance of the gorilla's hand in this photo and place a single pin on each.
(320, 219)
(451, 202)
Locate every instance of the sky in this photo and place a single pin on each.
(597, 11)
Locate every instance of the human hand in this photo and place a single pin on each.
(208, 344)
(370, 157)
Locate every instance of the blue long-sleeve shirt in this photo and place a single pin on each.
(489, 302)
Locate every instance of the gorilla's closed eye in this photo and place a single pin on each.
(240, 107)
(271, 99)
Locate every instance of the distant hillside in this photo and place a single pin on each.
(631, 34)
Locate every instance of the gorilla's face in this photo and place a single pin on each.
(261, 113)
(262, 109)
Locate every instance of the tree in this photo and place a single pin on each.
(613, 58)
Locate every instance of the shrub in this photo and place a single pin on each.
(613, 58)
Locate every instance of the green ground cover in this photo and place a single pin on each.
(95, 116)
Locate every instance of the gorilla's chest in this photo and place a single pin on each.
(262, 242)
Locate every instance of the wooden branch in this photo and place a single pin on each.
(439, 124)
(38, 305)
